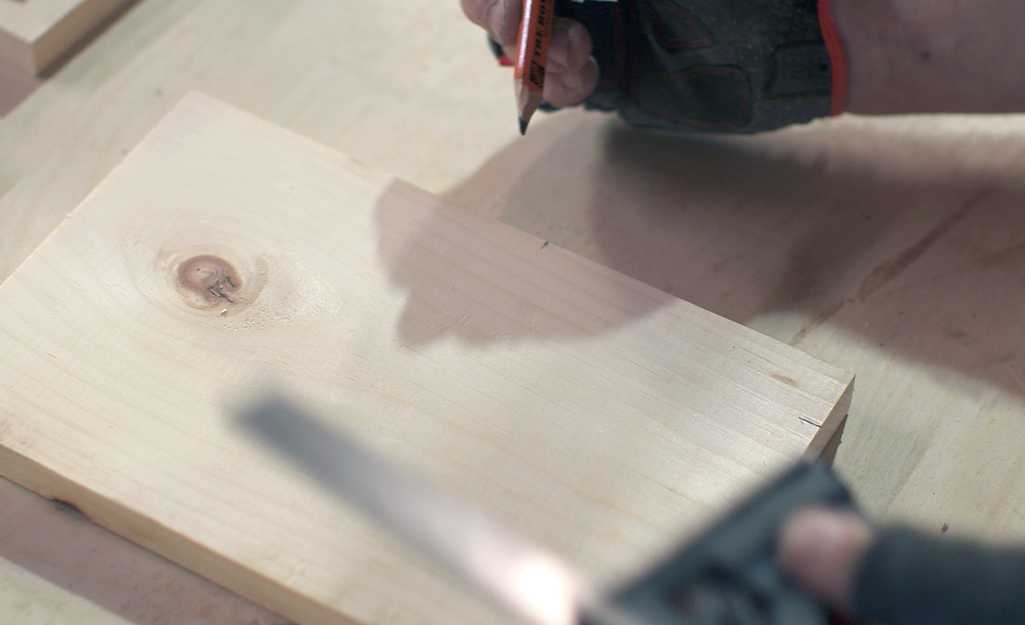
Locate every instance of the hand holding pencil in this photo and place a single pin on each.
(571, 73)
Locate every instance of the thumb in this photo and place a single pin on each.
(501, 18)
(822, 549)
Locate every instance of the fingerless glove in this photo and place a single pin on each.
(714, 65)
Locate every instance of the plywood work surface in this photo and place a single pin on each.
(593, 412)
(36, 33)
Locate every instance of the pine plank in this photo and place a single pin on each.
(36, 34)
(592, 412)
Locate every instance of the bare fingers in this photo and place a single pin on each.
(822, 548)
(501, 18)
(572, 73)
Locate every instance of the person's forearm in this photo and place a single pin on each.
(933, 55)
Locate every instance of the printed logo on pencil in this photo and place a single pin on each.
(537, 73)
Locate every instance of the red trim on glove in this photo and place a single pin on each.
(837, 59)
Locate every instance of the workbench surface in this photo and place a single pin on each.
(889, 247)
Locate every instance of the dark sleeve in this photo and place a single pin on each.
(908, 578)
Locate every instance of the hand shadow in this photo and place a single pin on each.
(905, 231)
(482, 281)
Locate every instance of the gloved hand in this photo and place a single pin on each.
(684, 65)
(899, 576)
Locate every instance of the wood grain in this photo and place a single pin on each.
(36, 34)
(592, 412)
(891, 247)
(777, 232)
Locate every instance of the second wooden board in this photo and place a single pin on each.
(36, 34)
(593, 413)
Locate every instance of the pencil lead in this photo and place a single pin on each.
(523, 126)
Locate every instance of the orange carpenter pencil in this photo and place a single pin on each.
(532, 56)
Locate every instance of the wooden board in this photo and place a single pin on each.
(592, 412)
(36, 34)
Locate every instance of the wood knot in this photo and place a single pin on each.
(208, 281)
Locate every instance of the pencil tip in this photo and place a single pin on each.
(523, 126)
